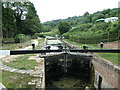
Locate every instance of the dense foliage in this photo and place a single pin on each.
(93, 33)
(86, 18)
(19, 38)
(63, 27)
(85, 29)
(19, 18)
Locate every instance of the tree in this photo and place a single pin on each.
(8, 22)
(12, 15)
(20, 9)
(31, 24)
(64, 27)
(19, 18)
(86, 13)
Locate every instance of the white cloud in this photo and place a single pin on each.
(56, 9)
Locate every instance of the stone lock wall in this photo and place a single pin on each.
(106, 74)
(109, 73)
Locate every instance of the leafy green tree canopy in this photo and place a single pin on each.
(63, 27)
(86, 13)
(19, 18)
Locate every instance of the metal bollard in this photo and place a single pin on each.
(101, 45)
(33, 46)
(85, 47)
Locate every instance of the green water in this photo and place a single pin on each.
(68, 82)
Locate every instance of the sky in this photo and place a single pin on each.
(48, 10)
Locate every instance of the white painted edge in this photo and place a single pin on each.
(4, 52)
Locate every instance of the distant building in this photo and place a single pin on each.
(73, 27)
(100, 20)
(111, 19)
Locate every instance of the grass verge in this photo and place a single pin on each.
(15, 80)
(40, 41)
(22, 62)
(51, 33)
(12, 46)
(91, 46)
(112, 57)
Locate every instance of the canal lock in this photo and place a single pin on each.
(69, 71)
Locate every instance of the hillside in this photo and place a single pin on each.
(86, 18)
(87, 29)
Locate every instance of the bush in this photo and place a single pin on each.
(20, 38)
(39, 35)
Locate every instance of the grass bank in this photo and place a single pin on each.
(22, 62)
(51, 33)
(91, 46)
(112, 57)
(12, 46)
(41, 40)
(41, 43)
(15, 80)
